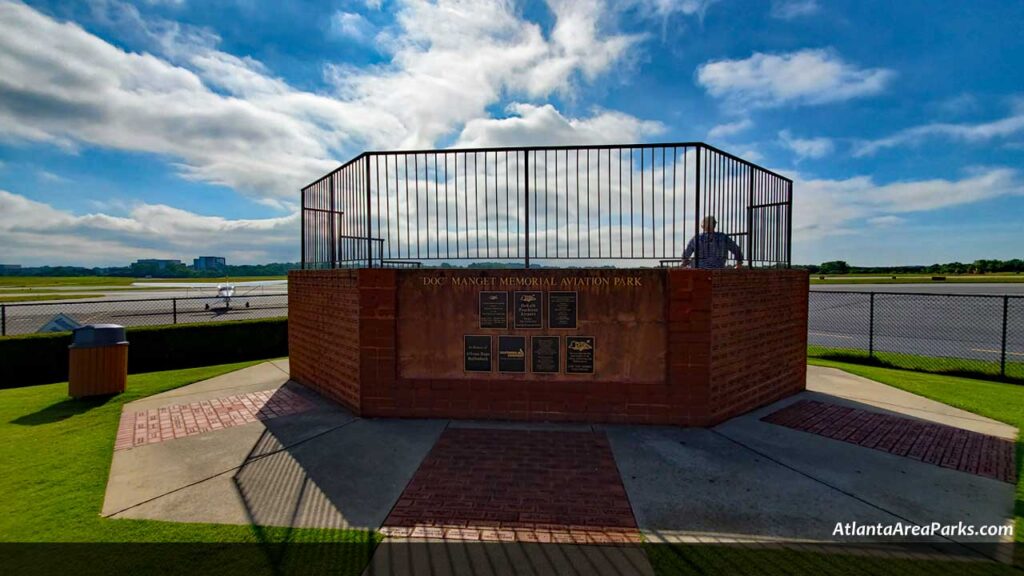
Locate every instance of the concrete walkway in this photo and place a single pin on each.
(746, 480)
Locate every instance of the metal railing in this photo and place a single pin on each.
(956, 333)
(31, 317)
(557, 203)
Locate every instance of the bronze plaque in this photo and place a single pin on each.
(544, 351)
(562, 309)
(579, 355)
(494, 309)
(477, 355)
(511, 353)
(528, 309)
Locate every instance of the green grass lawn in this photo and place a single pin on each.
(917, 278)
(43, 281)
(55, 454)
(965, 367)
(999, 401)
(5, 299)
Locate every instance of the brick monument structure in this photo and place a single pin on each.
(386, 336)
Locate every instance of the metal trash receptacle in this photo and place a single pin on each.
(98, 362)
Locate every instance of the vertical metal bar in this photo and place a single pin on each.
(750, 219)
(174, 310)
(437, 212)
(334, 238)
(526, 201)
(3, 320)
(871, 327)
(696, 212)
(302, 227)
(789, 226)
(369, 213)
(1002, 353)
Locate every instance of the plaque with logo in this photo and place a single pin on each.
(477, 354)
(528, 309)
(562, 309)
(544, 352)
(579, 355)
(494, 309)
(511, 353)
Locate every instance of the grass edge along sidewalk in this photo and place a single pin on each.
(57, 453)
(996, 400)
(943, 365)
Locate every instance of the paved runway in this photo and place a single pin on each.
(941, 323)
(146, 308)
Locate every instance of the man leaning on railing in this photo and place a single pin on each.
(714, 247)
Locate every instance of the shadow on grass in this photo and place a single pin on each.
(916, 365)
(62, 410)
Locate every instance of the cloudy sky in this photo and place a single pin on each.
(174, 128)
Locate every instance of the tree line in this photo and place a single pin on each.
(1015, 266)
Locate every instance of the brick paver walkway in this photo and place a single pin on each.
(515, 485)
(180, 420)
(936, 444)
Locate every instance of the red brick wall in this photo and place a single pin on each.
(323, 333)
(758, 339)
(735, 340)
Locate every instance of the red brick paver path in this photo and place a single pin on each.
(936, 444)
(515, 485)
(179, 420)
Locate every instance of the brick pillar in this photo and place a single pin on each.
(688, 302)
(378, 341)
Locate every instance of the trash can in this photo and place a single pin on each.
(98, 362)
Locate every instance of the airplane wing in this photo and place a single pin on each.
(198, 285)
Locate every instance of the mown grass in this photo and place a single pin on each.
(5, 299)
(56, 455)
(965, 367)
(918, 279)
(43, 281)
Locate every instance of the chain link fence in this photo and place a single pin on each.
(973, 335)
(28, 318)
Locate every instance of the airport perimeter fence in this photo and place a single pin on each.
(59, 316)
(971, 335)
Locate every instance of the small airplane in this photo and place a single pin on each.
(224, 291)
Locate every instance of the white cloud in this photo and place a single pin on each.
(971, 133)
(227, 120)
(810, 76)
(530, 125)
(51, 177)
(351, 25)
(790, 9)
(667, 8)
(806, 147)
(730, 128)
(32, 231)
(826, 207)
(886, 221)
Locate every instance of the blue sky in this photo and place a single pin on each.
(174, 128)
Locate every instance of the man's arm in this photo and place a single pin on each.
(735, 249)
(690, 247)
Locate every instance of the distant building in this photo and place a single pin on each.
(209, 263)
(156, 263)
